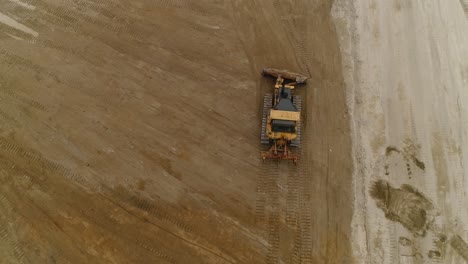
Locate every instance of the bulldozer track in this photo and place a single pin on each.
(292, 198)
(20, 176)
(13, 59)
(47, 43)
(151, 209)
(6, 116)
(460, 246)
(273, 213)
(305, 218)
(89, 91)
(261, 192)
(273, 238)
(267, 104)
(295, 257)
(40, 162)
(6, 231)
(156, 252)
(297, 101)
(24, 100)
(5, 235)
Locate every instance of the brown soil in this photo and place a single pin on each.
(130, 134)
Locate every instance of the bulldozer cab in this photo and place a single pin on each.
(284, 126)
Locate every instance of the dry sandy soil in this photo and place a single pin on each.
(130, 132)
(406, 72)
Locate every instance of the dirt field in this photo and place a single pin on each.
(130, 132)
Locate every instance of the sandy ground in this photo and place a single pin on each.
(406, 69)
(130, 133)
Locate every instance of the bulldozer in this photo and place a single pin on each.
(281, 119)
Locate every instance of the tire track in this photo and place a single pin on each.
(464, 4)
(261, 190)
(6, 235)
(264, 171)
(274, 213)
(460, 246)
(36, 159)
(6, 231)
(156, 252)
(150, 208)
(24, 100)
(292, 198)
(7, 117)
(393, 243)
(304, 245)
(14, 60)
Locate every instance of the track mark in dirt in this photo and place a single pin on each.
(273, 238)
(262, 189)
(273, 211)
(409, 152)
(22, 99)
(304, 245)
(394, 249)
(13, 59)
(7, 116)
(7, 231)
(36, 159)
(460, 246)
(292, 198)
(464, 4)
(391, 149)
(150, 208)
(156, 252)
(405, 205)
(5, 235)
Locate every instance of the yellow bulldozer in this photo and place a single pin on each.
(281, 120)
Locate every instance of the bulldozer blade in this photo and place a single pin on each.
(298, 78)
